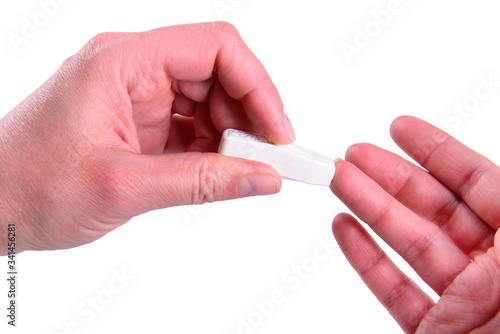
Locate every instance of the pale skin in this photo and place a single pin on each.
(130, 124)
(441, 220)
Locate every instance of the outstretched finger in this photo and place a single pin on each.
(465, 172)
(404, 300)
(426, 248)
(425, 195)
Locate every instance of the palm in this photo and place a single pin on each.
(470, 301)
(442, 222)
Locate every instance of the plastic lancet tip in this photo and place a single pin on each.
(292, 161)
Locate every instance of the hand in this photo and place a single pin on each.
(126, 125)
(441, 221)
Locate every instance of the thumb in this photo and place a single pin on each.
(197, 178)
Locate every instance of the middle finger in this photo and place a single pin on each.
(424, 246)
(424, 195)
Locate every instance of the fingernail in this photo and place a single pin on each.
(335, 173)
(258, 184)
(289, 127)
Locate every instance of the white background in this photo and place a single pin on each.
(201, 269)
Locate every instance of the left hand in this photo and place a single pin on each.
(441, 221)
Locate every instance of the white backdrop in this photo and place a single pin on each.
(345, 70)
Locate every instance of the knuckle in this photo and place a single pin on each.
(209, 185)
(98, 41)
(82, 60)
(418, 248)
(400, 288)
(375, 261)
(227, 29)
(92, 47)
(474, 178)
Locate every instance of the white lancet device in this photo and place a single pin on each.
(292, 161)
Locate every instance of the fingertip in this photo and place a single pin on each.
(345, 228)
(400, 123)
(289, 128)
(332, 183)
(225, 27)
(339, 163)
(278, 130)
(357, 151)
(351, 151)
(338, 221)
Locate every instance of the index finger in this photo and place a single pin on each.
(465, 172)
(196, 52)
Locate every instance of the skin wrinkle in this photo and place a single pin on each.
(491, 257)
(386, 211)
(430, 155)
(444, 216)
(208, 176)
(205, 185)
(146, 86)
(218, 68)
(206, 50)
(222, 70)
(451, 279)
(491, 324)
(417, 249)
(417, 319)
(141, 75)
(445, 212)
(405, 184)
(470, 296)
(437, 323)
(397, 294)
(472, 179)
(374, 262)
(482, 246)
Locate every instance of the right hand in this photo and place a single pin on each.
(126, 125)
